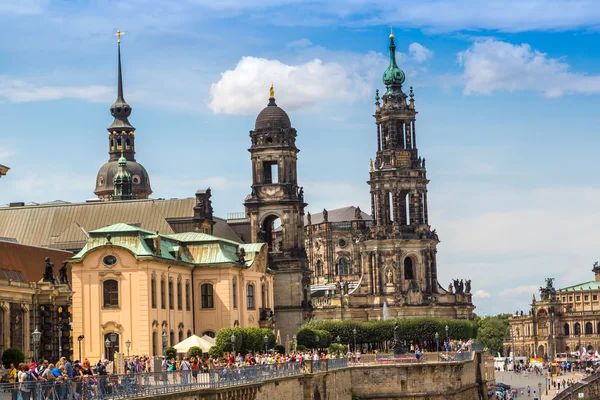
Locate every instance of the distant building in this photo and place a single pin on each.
(28, 303)
(564, 320)
(141, 285)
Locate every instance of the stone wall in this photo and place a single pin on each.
(425, 381)
(590, 387)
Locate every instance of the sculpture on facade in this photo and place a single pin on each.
(389, 278)
(468, 286)
(48, 271)
(325, 216)
(309, 218)
(242, 256)
(64, 279)
(450, 288)
(357, 213)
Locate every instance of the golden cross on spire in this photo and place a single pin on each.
(118, 35)
(391, 32)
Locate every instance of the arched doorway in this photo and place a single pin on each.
(540, 351)
(409, 273)
(111, 345)
(271, 232)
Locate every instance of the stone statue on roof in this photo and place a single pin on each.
(48, 271)
(325, 216)
(357, 213)
(63, 278)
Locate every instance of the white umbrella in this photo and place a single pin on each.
(204, 342)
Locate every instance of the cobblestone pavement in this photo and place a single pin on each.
(520, 381)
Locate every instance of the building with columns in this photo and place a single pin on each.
(563, 320)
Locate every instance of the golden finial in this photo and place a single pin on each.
(271, 92)
(118, 35)
(391, 32)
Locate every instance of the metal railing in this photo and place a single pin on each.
(337, 363)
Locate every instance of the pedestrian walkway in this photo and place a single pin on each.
(520, 382)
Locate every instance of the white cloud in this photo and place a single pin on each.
(244, 90)
(300, 43)
(419, 52)
(19, 91)
(493, 65)
(481, 294)
(520, 290)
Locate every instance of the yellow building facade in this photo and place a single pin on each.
(134, 286)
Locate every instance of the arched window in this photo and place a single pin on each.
(163, 302)
(154, 342)
(234, 290)
(250, 296)
(577, 329)
(206, 296)
(209, 334)
(111, 293)
(179, 296)
(172, 338)
(319, 268)
(187, 296)
(343, 265)
(153, 292)
(171, 305)
(589, 329)
(263, 296)
(189, 334)
(180, 336)
(409, 273)
(566, 329)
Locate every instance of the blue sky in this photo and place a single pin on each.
(507, 94)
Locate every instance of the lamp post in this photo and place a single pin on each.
(60, 328)
(79, 339)
(514, 353)
(540, 390)
(35, 338)
(266, 339)
(437, 345)
(233, 344)
(128, 344)
(447, 337)
(107, 345)
(294, 341)
(317, 339)
(354, 333)
(165, 340)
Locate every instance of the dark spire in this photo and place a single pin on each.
(120, 109)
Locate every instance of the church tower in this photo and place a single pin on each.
(122, 182)
(403, 248)
(121, 143)
(276, 212)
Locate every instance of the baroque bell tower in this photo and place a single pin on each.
(276, 212)
(402, 251)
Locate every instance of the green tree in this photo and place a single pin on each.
(170, 352)
(215, 351)
(492, 332)
(12, 356)
(194, 351)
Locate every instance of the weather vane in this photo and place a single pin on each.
(118, 35)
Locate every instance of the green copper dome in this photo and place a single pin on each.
(393, 75)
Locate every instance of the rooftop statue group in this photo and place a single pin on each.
(460, 286)
(49, 273)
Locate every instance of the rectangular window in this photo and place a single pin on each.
(586, 297)
(111, 293)
(271, 172)
(187, 296)
(171, 305)
(570, 298)
(564, 299)
(163, 303)
(595, 297)
(250, 296)
(179, 297)
(153, 293)
(578, 298)
(206, 295)
(234, 289)
(154, 341)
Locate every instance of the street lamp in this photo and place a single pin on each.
(113, 341)
(266, 339)
(127, 344)
(233, 344)
(60, 328)
(165, 340)
(447, 337)
(338, 339)
(294, 341)
(79, 339)
(36, 336)
(107, 345)
(354, 333)
(317, 339)
(437, 345)
(540, 389)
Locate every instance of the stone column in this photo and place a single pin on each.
(425, 212)
(414, 133)
(421, 208)
(378, 137)
(373, 214)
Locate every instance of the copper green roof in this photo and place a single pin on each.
(591, 285)
(121, 228)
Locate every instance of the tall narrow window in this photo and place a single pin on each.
(206, 295)
(163, 300)
(171, 305)
(180, 336)
(172, 338)
(319, 268)
(408, 269)
(234, 290)
(111, 293)
(343, 265)
(263, 296)
(250, 296)
(390, 198)
(154, 342)
(179, 296)
(271, 171)
(187, 296)
(153, 292)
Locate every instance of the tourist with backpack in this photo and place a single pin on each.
(27, 383)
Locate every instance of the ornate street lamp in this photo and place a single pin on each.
(165, 341)
(338, 339)
(107, 344)
(36, 336)
(233, 344)
(354, 333)
(294, 341)
(79, 339)
(437, 345)
(317, 340)
(447, 337)
(266, 339)
(60, 328)
(128, 344)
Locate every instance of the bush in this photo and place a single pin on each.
(308, 337)
(280, 349)
(301, 348)
(246, 339)
(194, 351)
(12, 356)
(337, 348)
(215, 351)
(170, 352)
